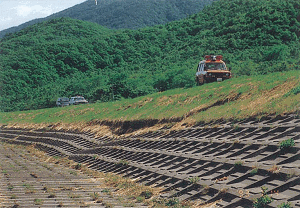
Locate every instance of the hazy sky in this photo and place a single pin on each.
(16, 12)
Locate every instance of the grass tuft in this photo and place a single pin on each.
(286, 145)
(262, 201)
(38, 201)
(194, 180)
(285, 205)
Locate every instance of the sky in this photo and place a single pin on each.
(16, 12)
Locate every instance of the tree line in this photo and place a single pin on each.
(67, 57)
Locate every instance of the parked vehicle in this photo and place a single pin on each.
(213, 68)
(78, 100)
(62, 101)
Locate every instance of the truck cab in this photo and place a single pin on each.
(212, 69)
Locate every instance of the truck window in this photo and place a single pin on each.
(215, 66)
(200, 67)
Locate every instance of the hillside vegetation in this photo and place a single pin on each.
(130, 14)
(66, 57)
(236, 99)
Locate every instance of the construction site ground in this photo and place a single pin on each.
(26, 181)
(221, 165)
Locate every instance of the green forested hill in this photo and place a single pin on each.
(66, 57)
(130, 14)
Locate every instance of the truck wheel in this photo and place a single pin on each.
(199, 81)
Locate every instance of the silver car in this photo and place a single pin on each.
(78, 100)
(62, 101)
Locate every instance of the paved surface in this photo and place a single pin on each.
(207, 163)
(27, 182)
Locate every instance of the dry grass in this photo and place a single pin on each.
(266, 96)
(98, 130)
(221, 179)
(274, 169)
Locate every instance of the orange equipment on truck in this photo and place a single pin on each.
(213, 68)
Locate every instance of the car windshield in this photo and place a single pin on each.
(79, 98)
(215, 66)
(64, 99)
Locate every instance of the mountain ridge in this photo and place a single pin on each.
(116, 14)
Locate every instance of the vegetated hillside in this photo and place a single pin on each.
(66, 57)
(130, 14)
(236, 99)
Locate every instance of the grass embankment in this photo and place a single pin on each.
(235, 99)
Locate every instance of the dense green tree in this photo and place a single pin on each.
(67, 57)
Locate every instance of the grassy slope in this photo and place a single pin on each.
(66, 57)
(238, 98)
